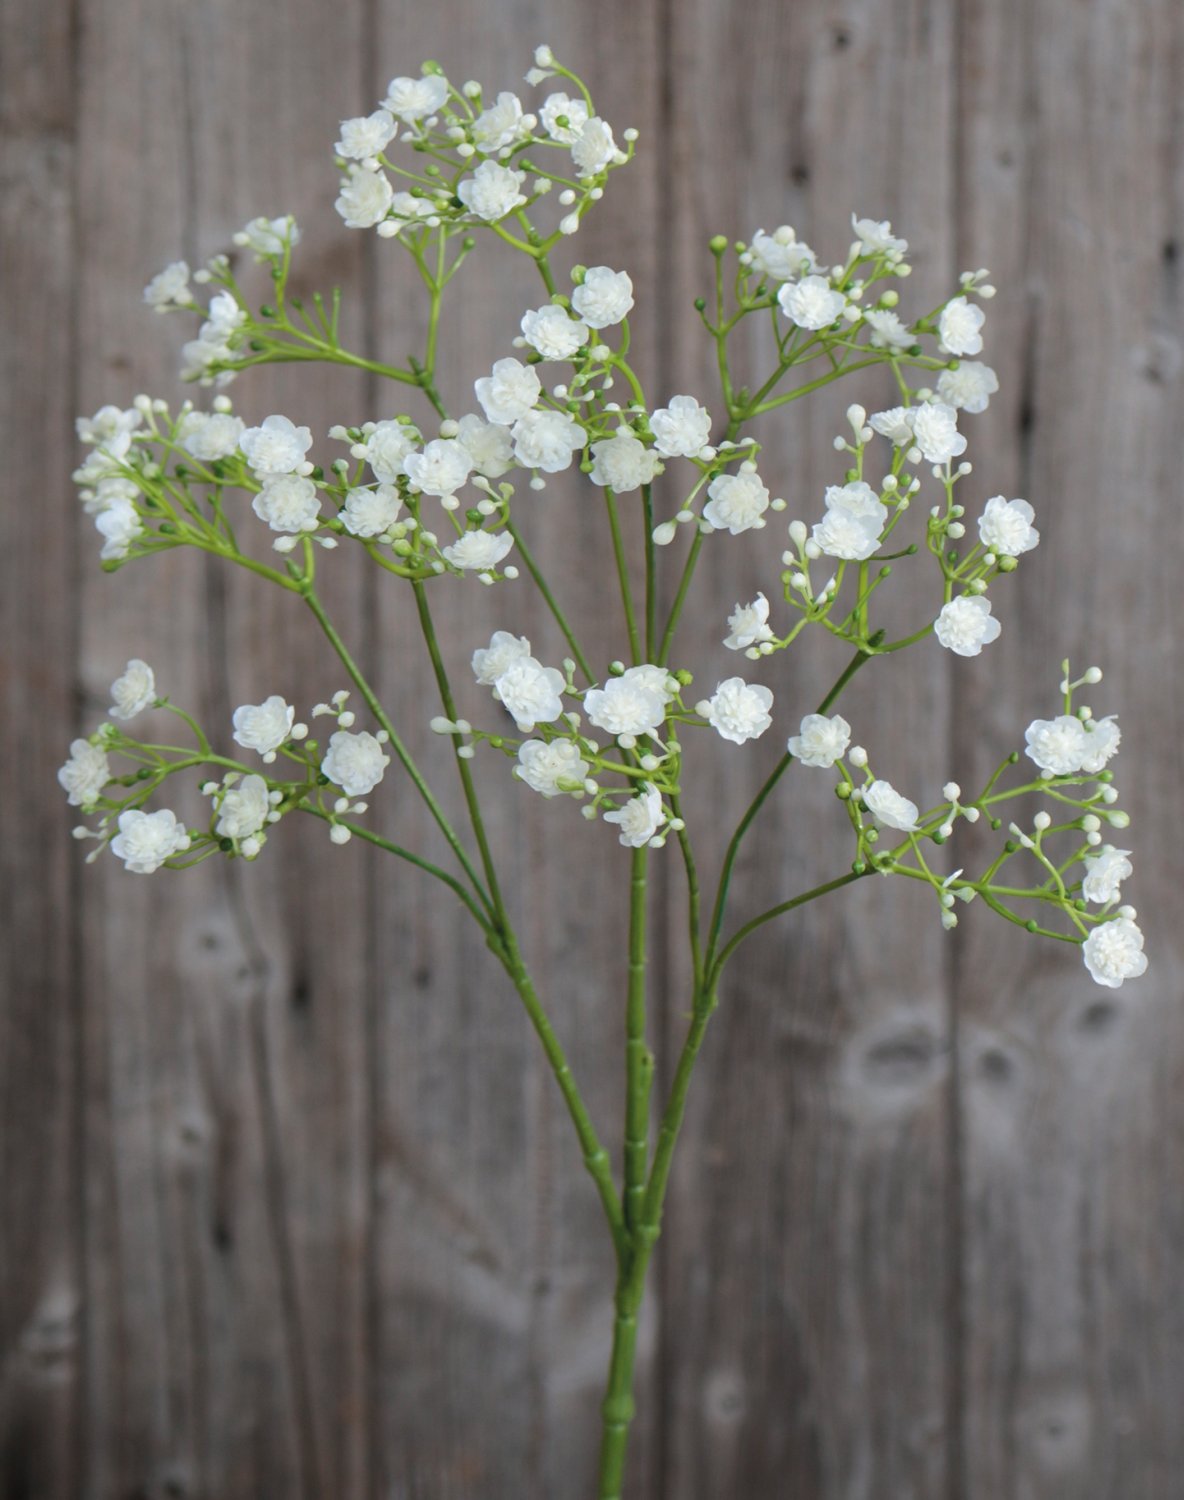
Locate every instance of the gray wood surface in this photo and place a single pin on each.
(289, 1205)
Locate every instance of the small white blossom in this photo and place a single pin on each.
(386, 449)
(876, 238)
(563, 118)
(935, 432)
(410, 99)
(958, 327)
(896, 424)
(441, 469)
(547, 440)
(501, 124)
(1102, 737)
(146, 840)
(489, 662)
(119, 524)
(1114, 952)
(781, 254)
(604, 298)
(1005, 527)
(225, 316)
(85, 774)
(243, 809)
(365, 198)
(736, 502)
(594, 148)
(821, 741)
(857, 499)
(488, 444)
(134, 691)
(110, 428)
(210, 435)
(478, 550)
(631, 704)
(355, 762)
(111, 490)
(550, 332)
(366, 135)
(264, 727)
(682, 428)
(268, 237)
(542, 767)
(410, 207)
(169, 288)
(811, 303)
(530, 692)
(748, 624)
(288, 503)
(1056, 745)
(739, 711)
(492, 192)
(965, 625)
(509, 392)
(849, 536)
(623, 463)
(1104, 874)
(969, 388)
(371, 512)
(640, 818)
(890, 808)
(278, 447)
(887, 330)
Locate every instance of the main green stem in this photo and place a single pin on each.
(639, 1060)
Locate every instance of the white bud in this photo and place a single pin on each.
(340, 834)
(857, 755)
(1042, 821)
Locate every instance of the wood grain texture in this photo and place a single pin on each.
(289, 1205)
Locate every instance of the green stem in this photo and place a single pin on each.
(651, 591)
(549, 599)
(623, 576)
(777, 911)
(639, 1060)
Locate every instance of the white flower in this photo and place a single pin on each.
(739, 711)
(492, 191)
(736, 502)
(146, 840)
(1056, 745)
(278, 447)
(110, 428)
(639, 819)
(631, 704)
(410, 206)
(243, 809)
(478, 550)
(489, 662)
(371, 512)
(594, 148)
(410, 99)
(134, 691)
(107, 492)
(958, 327)
(364, 199)
(442, 467)
(509, 392)
(896, 424)
(965, 625)
(547, 440)
(857, 499)
(653, 679)
(386, 448)
(366, 135)
(199, 356)
(355, 762)
(887, 330)
(210, 435)
(604, 298)
(500, 124)
(935, 432)
(890, 808)
(1102, 737)
(488, 445)
(552, 333)
(563, 118)
(1104, 874)
(876, 238)
(119, 525)
(781, 254)
(821, 741)
(748, 624)
(169, 288)
(544, 766)
(1005, 527)
(263, 727)
(288, 503)
(968, 388)
(530, 692)
(85, 774)
(225, 315)
(849, 536)
(268, 237)
(682, 428)
(1114, 952)
(811, 303)
(623, 463)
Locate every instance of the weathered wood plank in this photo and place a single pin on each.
(1069, 1094)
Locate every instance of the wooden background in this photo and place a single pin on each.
(288, 1204)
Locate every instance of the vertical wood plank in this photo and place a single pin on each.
(807, 1261)
(1070, 1097)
